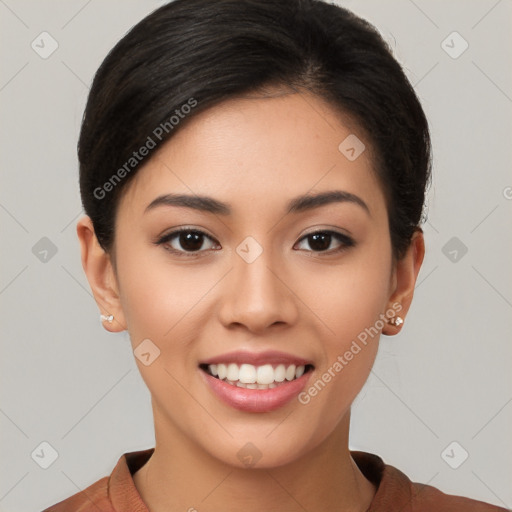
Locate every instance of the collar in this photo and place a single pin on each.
(393, 486)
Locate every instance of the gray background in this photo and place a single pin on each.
(446, 377)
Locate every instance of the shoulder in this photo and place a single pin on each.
(396, 492)
(426, 498)
(114, 493)
(93, 498)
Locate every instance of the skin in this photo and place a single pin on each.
(255, 154)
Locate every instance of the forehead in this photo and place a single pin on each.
(261, 150)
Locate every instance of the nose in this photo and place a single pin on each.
(257, 296)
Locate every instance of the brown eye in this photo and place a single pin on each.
(185, 241)
(191, 241)
(320, 241)
(323, 241)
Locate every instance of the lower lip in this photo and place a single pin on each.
(256, 400)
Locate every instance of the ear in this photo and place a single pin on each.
(101, 276)
(403, 280)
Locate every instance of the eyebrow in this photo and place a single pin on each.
(297, 205)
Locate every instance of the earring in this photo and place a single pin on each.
(397, 321)
(107, 318)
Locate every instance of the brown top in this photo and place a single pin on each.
(395, 492)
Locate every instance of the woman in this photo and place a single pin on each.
(254, 175)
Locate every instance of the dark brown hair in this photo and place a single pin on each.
(190, 55)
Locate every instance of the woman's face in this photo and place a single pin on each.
(255, 288)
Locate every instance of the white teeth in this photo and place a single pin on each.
(232, 373)
(265, 374)
(247, 374)
(256, 377)
(290, 372)
(221, 371)
(252, 386)
(280, 373)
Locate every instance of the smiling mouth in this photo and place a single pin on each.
(248, 376)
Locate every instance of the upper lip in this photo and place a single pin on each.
(257, 358)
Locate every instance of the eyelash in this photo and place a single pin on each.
(346, 241)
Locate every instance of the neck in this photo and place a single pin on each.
(180, 477)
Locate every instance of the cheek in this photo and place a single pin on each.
(351, 309)
(161, 303)
(355, 301)
(158, 298)
(350, 297)
(349, 301)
